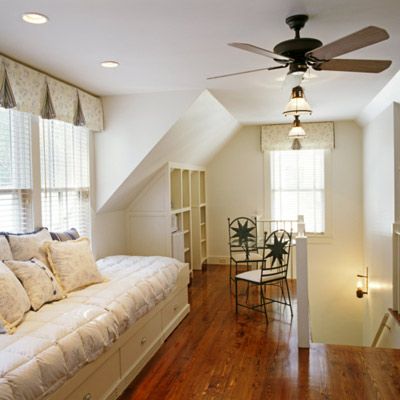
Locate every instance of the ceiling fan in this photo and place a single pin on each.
(300, 53)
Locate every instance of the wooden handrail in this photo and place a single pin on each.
(380, 330)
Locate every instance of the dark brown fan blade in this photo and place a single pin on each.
(247, 72)
(373, 66)
(354, 41)
(259, 50)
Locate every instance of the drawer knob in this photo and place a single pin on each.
(143, 341)
(175, 307)
(87, 396)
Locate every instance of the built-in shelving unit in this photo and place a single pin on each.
(198, 197)
(169, 216)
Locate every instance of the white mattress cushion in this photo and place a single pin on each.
(54, 342)
(14, 301)
(38, 281)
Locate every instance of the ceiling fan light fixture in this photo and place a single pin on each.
(298, 104)
(296, 145)
(297, 131)
(297, 69)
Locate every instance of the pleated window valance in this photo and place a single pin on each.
(36, 93)
(320, 135)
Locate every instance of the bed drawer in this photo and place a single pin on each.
(98, 385)
(174, 306)
(140, 343)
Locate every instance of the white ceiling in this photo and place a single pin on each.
(175, 44)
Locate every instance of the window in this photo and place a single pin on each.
(298, 187)
(15, 171)
(52, 177)
(64, 159)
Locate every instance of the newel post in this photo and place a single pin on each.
(303, 319)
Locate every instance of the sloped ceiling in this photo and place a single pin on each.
(134, 124)
(194, 139)
(388, 95)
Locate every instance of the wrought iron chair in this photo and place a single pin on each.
(242, 244)
(274, 267)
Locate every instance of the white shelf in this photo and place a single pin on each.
(180, 210)
(152, 216)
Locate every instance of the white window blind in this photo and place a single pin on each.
(15, 171)
(65, 176)
(298, 187)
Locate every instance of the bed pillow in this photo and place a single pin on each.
(73, 263)
(5, 251)
(14, 301)
(70, 234)
(37, 280)
(29, 245)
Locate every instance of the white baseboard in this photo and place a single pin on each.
(218, 260)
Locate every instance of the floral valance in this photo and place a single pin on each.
(39, 94)
(319, 135)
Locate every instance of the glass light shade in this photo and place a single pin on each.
(296, 145)
(298, 104)
(297, 132)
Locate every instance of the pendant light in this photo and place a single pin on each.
(296, 133)
(298, 104)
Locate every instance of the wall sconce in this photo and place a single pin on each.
(360, 286)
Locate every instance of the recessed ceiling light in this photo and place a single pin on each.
(110, 64)
(34, 18)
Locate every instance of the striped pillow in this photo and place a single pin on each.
(70, 234)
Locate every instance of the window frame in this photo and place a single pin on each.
(36, 184)
(22, 194)
(315, 237)
(62, 190)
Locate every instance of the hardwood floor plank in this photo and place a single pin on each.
(217, 355)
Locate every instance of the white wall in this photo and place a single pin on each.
(235, 187)
(109, 234)
(133, 125)
(379, 214)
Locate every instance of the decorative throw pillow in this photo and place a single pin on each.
(73, 263)
(14, 301)
(70, 234)
(29, 245)
(5, 251)
(38, 281)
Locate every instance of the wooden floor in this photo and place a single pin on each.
(216, 354)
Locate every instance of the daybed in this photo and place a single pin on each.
(91, 344)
